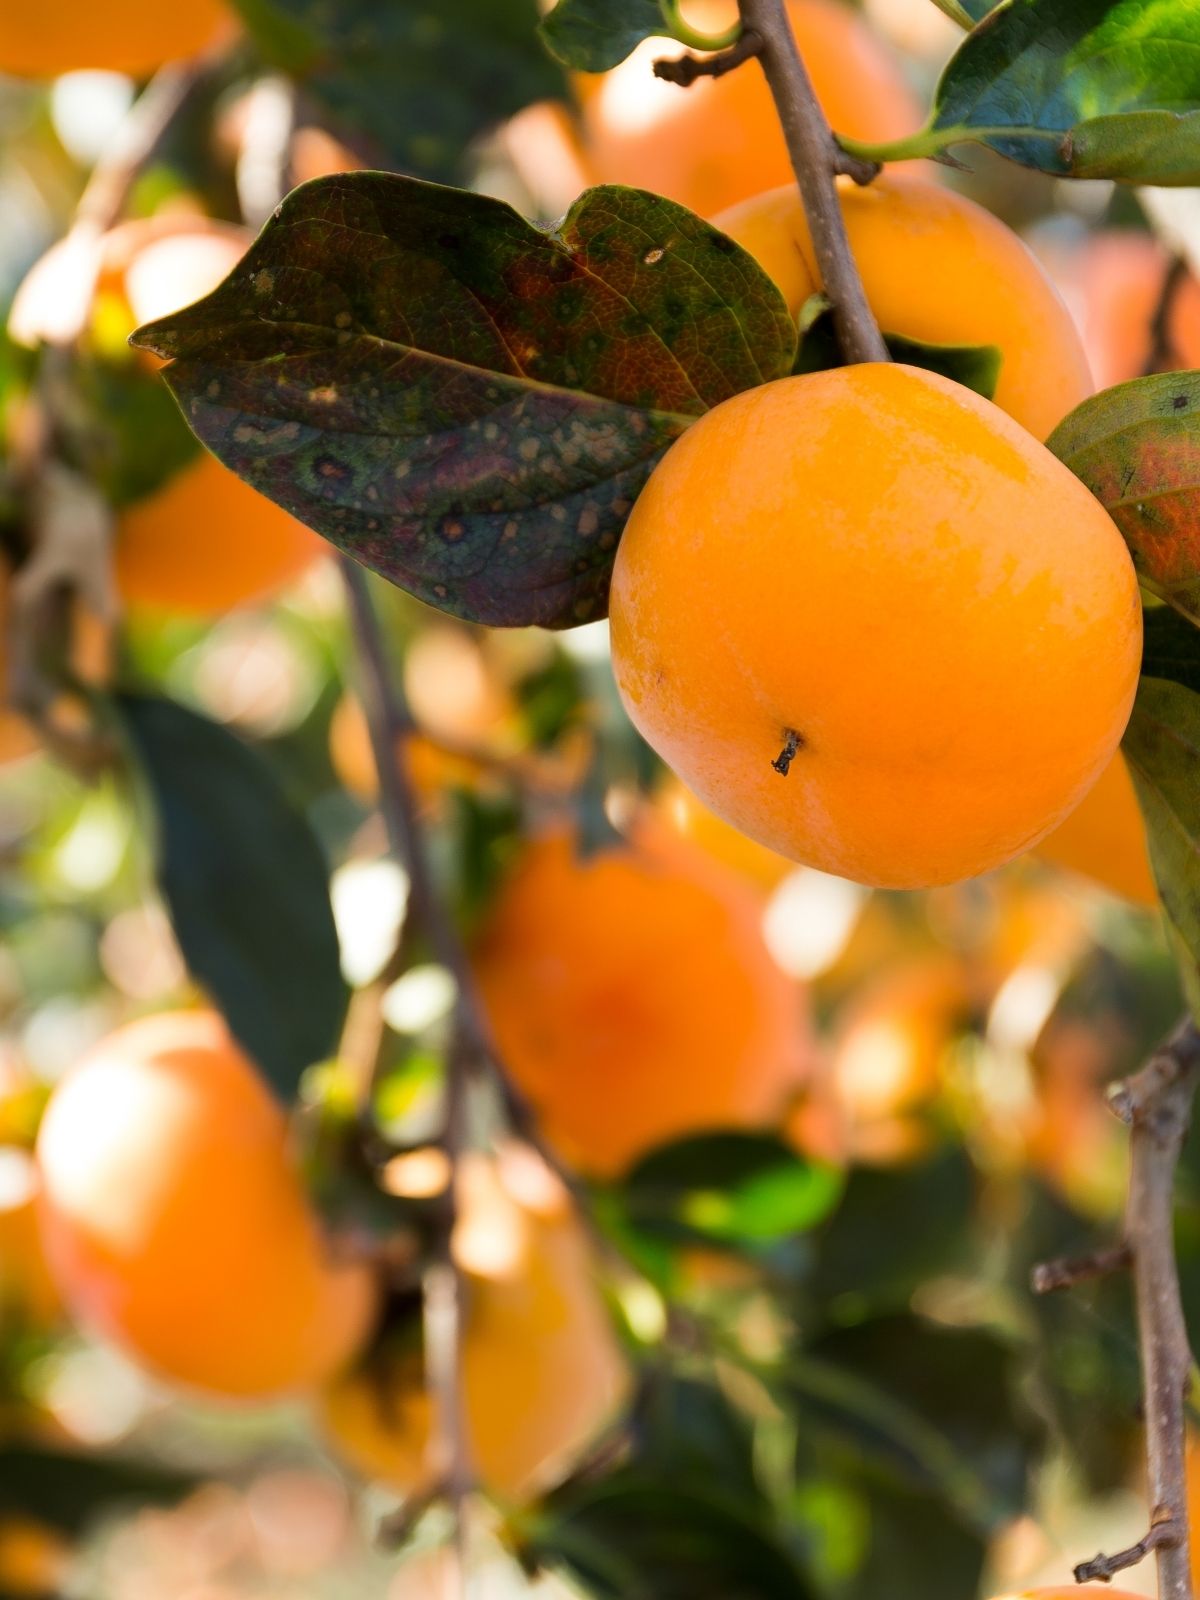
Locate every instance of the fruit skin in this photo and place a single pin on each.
(1116, 282)
(541, 1369)
(203, 541)
(632, 997)
(719, 141)
(691, 820)
(938, 268)
(1104, 838)
(935, 605)
(133, 36)
(175, 1221)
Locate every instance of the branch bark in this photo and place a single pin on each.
(816, 160)
(1156, 1103)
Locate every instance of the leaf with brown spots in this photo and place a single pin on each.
(464, 402)
(1137, 448)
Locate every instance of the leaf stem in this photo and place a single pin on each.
(680, 29)
(957, 13)
(816, 160)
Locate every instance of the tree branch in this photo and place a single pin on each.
(1156, 1103)
(1068, 1271)
(816, 159)
(684, 70)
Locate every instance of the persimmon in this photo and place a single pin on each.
(28, 1296)
(202, 541)
(718, 839)
(937, 268)
(903, 653)
(1104, 838)
(34, 1558)
(632, 997)
(719, 141)
(1116, 282)
(541, 1369)
(175, 1219)
(133, 36)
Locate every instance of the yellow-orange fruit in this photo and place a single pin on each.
(133, 36)
(633, 999)
(28, 1296)
(1117, 282)
(175, 1219)
(34, 1558)
(938, 268)
(719, 141)
(540, 1366)
(203, 541)
(873, 623)
(1104, 838)
(716, 838)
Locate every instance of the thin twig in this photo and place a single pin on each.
(1161, 353)
(1102, 1568)
(816, 160)
(1068, 1271)
(684, 70)
(1156, 1103)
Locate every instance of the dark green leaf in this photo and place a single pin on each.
(466, 403)
(246, 886)
(937, 1408)
(745, 1188)
(594, 35)
(1162, 747)
(974, 366)
(1080, 88)
(1137, 448)
(689, 1432)
(916, 1549)
(1170, 647)
(124, 430)
(634, 1536)
(69, 1491)
(409, 85)
(928, 1209)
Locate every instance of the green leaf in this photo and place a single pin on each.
(937, 1408)
(410, 86)
(1170, 647)
(246, 887)
(916, 1547)
(1137, 448)
(1162, 747)
(634, 1536)
(746, 1189)
(465, 403)
(71, 1491)
(976, 367)
(594, 35)
(124, 430)
(1078, 88)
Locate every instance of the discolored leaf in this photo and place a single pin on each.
(466, 403)
(1137, 448)
(594, 35)
(744, 1188)
(246, 887)
(409, 86)
(1162, 747)
(1078, 88)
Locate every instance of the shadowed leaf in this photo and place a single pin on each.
(1170, 647)
(975, 366)
(594, 35)
(246, 887)
(411, 85)
(1137, 448)
(1081, 88)
(1162, 747)
(464, 402)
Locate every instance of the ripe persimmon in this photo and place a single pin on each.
(719, 141)
(1116, 282)
(202, 541)
(718, 839)
(937, 268)
(1104, 838)
(873, 623)
(632, 996)
(27, 1292)
(541, 1369)
(175, 1219)
(133, 36)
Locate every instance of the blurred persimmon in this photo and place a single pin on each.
(541, 1369)
(133, 36)
(28, 1296)
(715, 143)
(1104, 838)
(632, 996)
(175, 1221)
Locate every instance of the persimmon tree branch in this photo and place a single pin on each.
(1156, 1103)
(816, 159)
